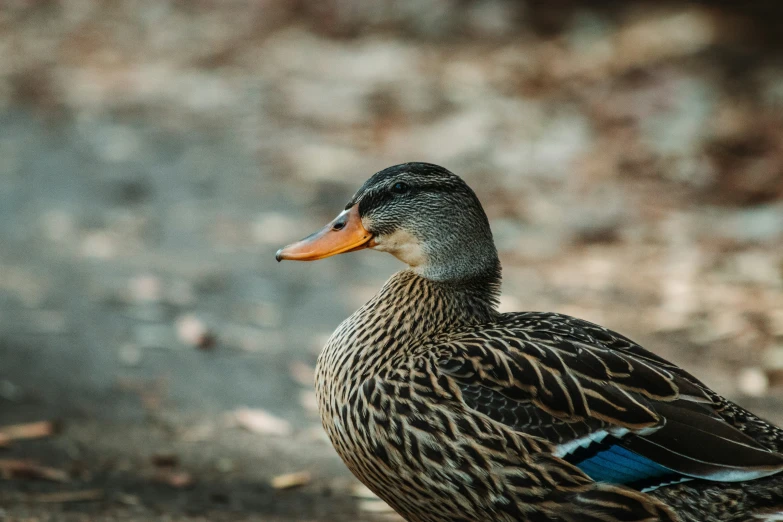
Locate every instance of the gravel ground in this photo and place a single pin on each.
(154, 156)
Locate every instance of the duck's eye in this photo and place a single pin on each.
(400, 188)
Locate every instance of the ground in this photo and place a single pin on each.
(154, 158)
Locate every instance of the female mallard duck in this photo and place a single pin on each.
(453, 412)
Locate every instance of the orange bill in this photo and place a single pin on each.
(344, 234)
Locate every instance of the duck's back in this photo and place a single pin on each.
(618, 412)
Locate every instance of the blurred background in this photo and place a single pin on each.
(155, 361)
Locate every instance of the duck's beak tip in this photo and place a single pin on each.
(279, 255)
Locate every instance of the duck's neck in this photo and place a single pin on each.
(409, 310)
(420, 307)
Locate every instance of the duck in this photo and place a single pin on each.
(451, 411)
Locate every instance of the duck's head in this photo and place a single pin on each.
(422, 214)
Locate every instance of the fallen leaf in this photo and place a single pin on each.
(30, 430)
(261, 421)
(26, 469)
(291, 480)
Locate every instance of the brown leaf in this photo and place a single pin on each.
(291, 480)
(26, 469)
(261, 421)
(30, 430)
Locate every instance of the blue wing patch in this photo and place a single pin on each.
(616, 465)
(621, 466)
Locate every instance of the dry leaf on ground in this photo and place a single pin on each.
(291, 480)
(261, 421)
(27, 469)
(30, 430)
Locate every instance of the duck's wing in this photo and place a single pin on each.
(419, 424)
(620, 413)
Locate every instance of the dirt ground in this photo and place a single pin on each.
(153, 158)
